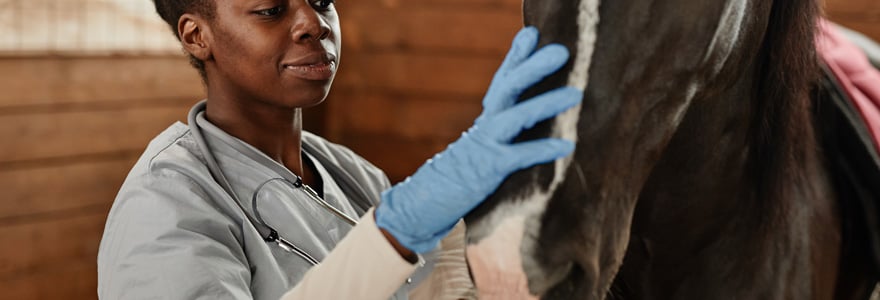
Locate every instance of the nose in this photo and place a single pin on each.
(308, 25)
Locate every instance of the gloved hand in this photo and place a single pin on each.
(421, 210)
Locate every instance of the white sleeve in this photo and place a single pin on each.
(451, 277)
(363, 265)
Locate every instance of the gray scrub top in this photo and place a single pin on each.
(174, 233)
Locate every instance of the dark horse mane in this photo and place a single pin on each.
(786, 69)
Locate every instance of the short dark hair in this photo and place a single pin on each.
(171, 10)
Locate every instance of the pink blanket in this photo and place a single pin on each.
(859, 79)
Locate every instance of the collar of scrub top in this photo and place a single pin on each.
(351, 187)
(198, 123)
(286, 175)
(266, 231)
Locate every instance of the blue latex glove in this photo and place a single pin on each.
(421, 210)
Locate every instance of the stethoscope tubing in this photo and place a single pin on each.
(314, 195)
(220, 178)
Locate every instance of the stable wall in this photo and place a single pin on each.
(72, 128)
(860, 15)
(413, 74)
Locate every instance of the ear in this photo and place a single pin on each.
(195, 36)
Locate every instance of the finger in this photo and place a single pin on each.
(523, 45)
(509, 123)
(541, 151)
(544, 62)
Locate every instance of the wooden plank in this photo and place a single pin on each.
(409, 116)
(422, 29)
(509, 5)
(56, 188)
(75, 279)
(860, 15)
(39, 246)
(52, 81)
(418, 72)
(859, 6)
(868, 28)
(48, 135)
(398, 157)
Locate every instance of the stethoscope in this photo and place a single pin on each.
(268, 233)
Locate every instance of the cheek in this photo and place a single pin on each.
(234, 50)
(334, 42)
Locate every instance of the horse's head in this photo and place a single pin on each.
(643, 63)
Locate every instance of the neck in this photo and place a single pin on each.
(706, 218)
(276, 131)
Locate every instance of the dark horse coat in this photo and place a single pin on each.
(700, 172)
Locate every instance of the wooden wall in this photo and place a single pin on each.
(860, 15)
(412, 77)
(413, 74)
(71, 129)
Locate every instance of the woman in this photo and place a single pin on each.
(243, 204)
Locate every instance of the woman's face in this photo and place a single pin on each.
(280, 52)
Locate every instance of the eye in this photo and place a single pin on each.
(271, 12)
(323, 4)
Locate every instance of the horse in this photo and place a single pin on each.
(698, 172)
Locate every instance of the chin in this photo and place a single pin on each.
(306, 96)
(314, 103)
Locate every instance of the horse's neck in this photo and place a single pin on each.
(702, 196)
(710, 166)
(712, 141)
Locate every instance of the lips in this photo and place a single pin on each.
(315, 66)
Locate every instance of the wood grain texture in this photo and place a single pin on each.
(513, 6)
(75, 133)
(31, 81)
(463, 32)
(859, 15)
(854, 6)
(48, 190)
(72, 128)
(51, 258)
(71, 280)
(405, 115)
(399, 157)
(418, 72)
(413, 74)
